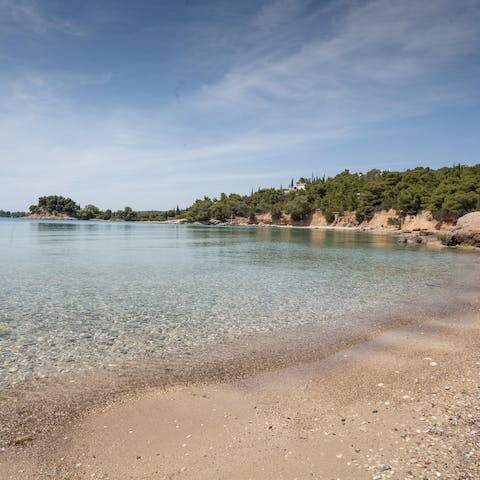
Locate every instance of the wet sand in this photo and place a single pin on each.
(405, 404)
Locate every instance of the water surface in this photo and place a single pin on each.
(78, 296)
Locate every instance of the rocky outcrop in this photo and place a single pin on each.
(383, 219)
(176, 221)
(421, 221)
(466, 232)
(49, 216)
(419, 237)
(460, 237)
(344, 219)
(390, 220)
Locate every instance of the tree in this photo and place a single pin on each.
(299, 208)
(88, 212)
(408, 202)
(276, 214)
(107, 215)
(55, 204)
(127, 214)
(200, 210)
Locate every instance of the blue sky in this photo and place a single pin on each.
(155, 103)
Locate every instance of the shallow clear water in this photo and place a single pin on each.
(81, 295)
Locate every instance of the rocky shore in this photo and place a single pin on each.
(466, 233)
(49, 216)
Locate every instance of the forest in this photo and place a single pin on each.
(448, 191)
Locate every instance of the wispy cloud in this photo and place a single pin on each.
(376, 48)
(29, 15)
(23, 13)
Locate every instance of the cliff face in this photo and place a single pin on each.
(385, 219)
(390, 220)
(318, 219)
(422, 221)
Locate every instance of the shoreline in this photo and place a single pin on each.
(73, 394)
(384, 402)
(32, 409)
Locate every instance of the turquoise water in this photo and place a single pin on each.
(78, 296)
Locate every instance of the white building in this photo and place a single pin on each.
(298, 186)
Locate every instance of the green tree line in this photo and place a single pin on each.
(7, 213)
(448, 191)
(59, 205)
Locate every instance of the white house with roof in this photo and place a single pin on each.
(300, 185)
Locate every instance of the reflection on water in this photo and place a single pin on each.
(80, 295)
(49, 226)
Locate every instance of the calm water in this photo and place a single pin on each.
(82, 295)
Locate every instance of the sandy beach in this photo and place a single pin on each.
(403, 405)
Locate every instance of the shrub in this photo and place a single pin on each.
(329, 216)
(394, 221)
(276, 214)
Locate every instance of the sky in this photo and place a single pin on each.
(151, 104)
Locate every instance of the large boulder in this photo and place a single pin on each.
(470, 221)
